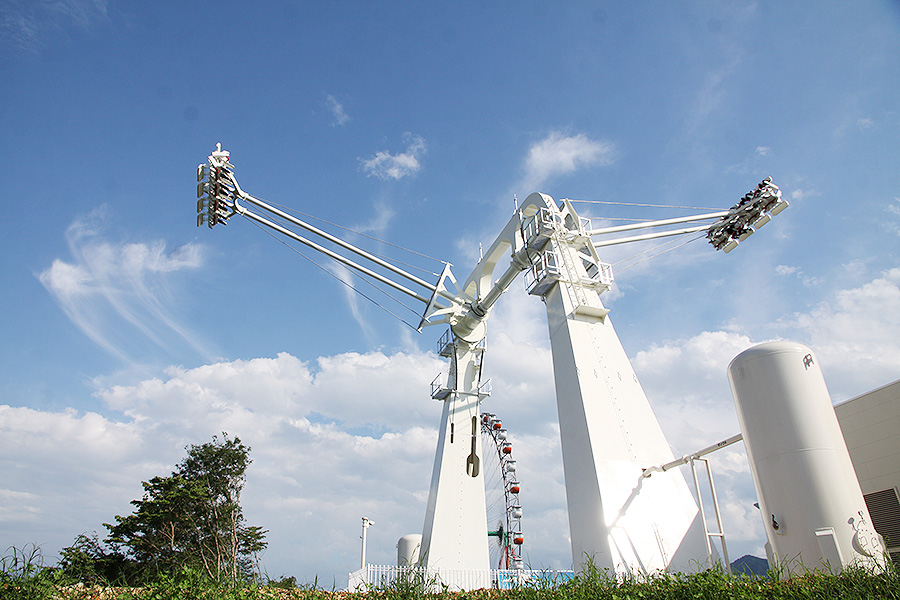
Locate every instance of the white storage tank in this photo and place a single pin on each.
(814, 513)
(408, 549)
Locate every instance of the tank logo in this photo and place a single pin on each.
(807, 361)
(865, 540)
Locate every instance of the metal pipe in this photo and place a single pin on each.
(660, 223)
(333, 239)
(715, 500)
(346, 245)
(480, 308)
(688, 457)
(330, 253)
(651, 236)
(702, 512)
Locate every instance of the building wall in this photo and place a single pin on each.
(871, 427)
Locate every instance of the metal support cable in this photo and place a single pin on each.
(613, 203)
(367, 236)
(652, 256)
(335, 240)
(391, 259)
(352, 287)
(341, 259)
(661, 223)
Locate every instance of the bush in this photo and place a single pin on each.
(23, 575)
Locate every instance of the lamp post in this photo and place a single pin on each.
(366, 522)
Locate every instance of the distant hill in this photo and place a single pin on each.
(750, 565)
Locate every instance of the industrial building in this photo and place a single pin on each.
(871, 427)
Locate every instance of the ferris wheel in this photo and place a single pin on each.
(501, 489)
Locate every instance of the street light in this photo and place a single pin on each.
(366, 522)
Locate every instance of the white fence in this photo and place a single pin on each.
(381, 576)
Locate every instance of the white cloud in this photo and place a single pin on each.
(806, 280)
(686, 383)
(385, 165)
(378, 224)
(893, 209)
(351, 290)
(113, 290)
(785, 270)
(559, 154)
(856, 335)
(354, 434)
(800, 194)
(752, 163)
(338, 114)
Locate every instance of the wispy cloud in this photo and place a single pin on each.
(800, 194)
(895, 207)
(893, 224)
(753, 162)
(355, 287)
(385, 165)
(378, 224)
(559, 154)
(25, 25)
(113, 290)
(351, 289)
(806, 280)
(338, 114)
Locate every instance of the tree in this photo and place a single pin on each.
(193, 517)
(89, 561)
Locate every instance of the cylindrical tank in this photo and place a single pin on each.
(814, 513)
(408, 549)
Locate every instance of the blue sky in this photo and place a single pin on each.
(129, 333)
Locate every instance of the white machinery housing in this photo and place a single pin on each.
(408, 549)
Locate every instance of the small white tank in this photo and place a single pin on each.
(814, 513)
(408, 549)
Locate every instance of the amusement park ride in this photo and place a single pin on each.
(625, 514)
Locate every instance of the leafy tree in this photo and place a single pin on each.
(193, 518)
(89, 561)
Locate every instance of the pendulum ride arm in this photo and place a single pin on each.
(732, 226)
(617, 518)
(220, 198)
(455, 534)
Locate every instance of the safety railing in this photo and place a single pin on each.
(433, 579)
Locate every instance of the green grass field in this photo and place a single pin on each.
(23, 577)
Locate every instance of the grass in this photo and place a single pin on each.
(23, 576)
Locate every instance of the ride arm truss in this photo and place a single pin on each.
(220, 198)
